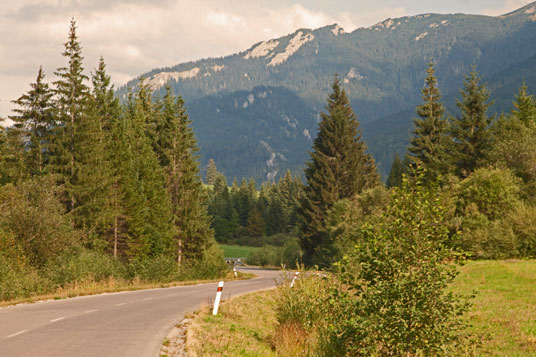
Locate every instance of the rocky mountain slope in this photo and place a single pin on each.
(382, 68)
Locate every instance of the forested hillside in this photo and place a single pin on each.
(381, 68)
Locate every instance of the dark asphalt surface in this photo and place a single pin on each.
(132, 323)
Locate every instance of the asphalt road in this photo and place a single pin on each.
(132, 323)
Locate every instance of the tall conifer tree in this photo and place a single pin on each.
(395, 175)
(212, 172)
(112, 222)
(34, 120)
(71, 100)
(428, 144)
(339, 168)
(177, 147)
(525, 106)
(470, 131)
(147, 202)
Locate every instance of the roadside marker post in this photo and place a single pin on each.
(294, 279)
(218, 298)
(235, 273)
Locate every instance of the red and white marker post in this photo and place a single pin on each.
(294, 279)
(218, 298)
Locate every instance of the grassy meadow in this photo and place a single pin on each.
(237, 251)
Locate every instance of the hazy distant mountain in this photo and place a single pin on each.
(382, 68)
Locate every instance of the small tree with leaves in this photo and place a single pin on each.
(393, 295)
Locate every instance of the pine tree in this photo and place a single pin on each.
(12, 168)
(212, 172)
(470, 131)
(255, 224)
(524, 106)
(177, 146)
(395, 175)
(147, 202)
(96, 168)
(71, 100)
(34, 120)
(339, 168)
(428, 144)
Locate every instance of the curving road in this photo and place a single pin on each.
(132, 323)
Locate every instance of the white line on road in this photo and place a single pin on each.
(58, 319)
(16, 334)
(90, 311)
(120, 304)
(172, 294)
(146, 299)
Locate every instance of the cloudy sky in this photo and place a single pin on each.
(135, 36)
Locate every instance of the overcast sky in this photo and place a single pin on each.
(135, 36)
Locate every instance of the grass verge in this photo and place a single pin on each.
(113, 285)
(243, 327)
(503, 316)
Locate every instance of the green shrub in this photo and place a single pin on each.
(266, 256)
(155, 269)
(302, 304)
(79, 264)
(17, 279)
(288, 255)
(493, 191)
(33, 213)
(523, 223)
(211, 266)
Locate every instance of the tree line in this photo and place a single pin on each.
(80, 169)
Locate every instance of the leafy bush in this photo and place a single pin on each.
(155, 269)
(288, 255)
(79, 264)
(17, 280)
(523, 222)
(394, 297)
(211, 266)
(266, 256)
(493, 191)
(33, 213)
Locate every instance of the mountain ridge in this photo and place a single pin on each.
(382, 67)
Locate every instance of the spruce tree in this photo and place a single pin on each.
(112, 225)
(428, 144)
(147, 203)
(177, 146)
(525, 106)
(395, 175)
(34, 120)
(339, 168)
(255, 224)
(12, 167)
(212, 172)
(71, 100)
(470, 131)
